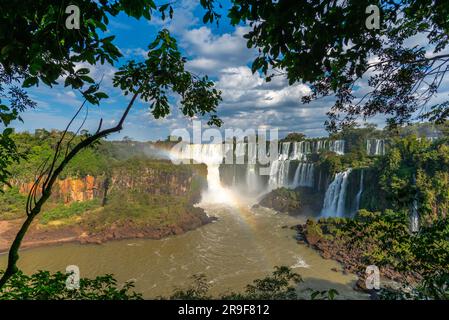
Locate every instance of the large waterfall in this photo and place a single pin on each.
(335, 198)
(291, 168)
(375, 147)
(211, 155)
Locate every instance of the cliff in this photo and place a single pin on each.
(135, 199)
(153, 177)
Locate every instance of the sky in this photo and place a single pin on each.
(217, 51)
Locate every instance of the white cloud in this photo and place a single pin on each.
(183, 17)
(211, 53)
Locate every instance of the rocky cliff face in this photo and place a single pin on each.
(145, 199)
(73, 189)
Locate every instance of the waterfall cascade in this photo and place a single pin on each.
(359, 194)
(414, 214)
(375, 147)
(291, 168)
(211, 155)
(335, 198)
(302, 148)
(279, 170)
(252, 177)
(303, 175)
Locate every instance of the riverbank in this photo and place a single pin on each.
(84, 232)
(352, 250)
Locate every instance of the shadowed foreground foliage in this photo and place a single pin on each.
(280, 285)
(44, 285)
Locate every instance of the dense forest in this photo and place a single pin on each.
(91, 191)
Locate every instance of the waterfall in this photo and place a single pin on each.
(335, 198)
(244, 171)
(285, 148)
(414, 214)
(279, 170)
(318, 145)
(303, 175)
(337, 146)
(359, 194)
(302, 148)
(240, 152)
(375, 147)
(299, 150)
(414, 217)
(212, 156)
(252, 178)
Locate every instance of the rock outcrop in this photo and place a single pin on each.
(160, 178)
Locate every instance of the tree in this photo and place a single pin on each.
(18, 102)
(327, 45)
(36, 46)
(294, 136)
(151, 81)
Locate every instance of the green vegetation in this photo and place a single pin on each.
(66, 211)
(155, 204)
(417, 169)
(433, 287)
(383, 239)
(282, 200)
(44, 285)
(12, 204)
(139, 209)
(38, 147)
(401, 81)
(280, 285)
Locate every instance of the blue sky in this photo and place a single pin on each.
(218, 51)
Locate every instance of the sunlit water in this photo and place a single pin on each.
(240, 246)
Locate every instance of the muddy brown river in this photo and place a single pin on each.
(242, 245)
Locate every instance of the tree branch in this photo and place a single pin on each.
(33, 211)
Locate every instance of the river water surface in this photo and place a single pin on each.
(242, 245)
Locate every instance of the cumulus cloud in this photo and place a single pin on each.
(241, 89)
(183, 17)
(251, 102)
(212, 53)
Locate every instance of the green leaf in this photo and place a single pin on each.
(101, 95)
(29, 82)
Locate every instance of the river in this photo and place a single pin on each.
(242, 245)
